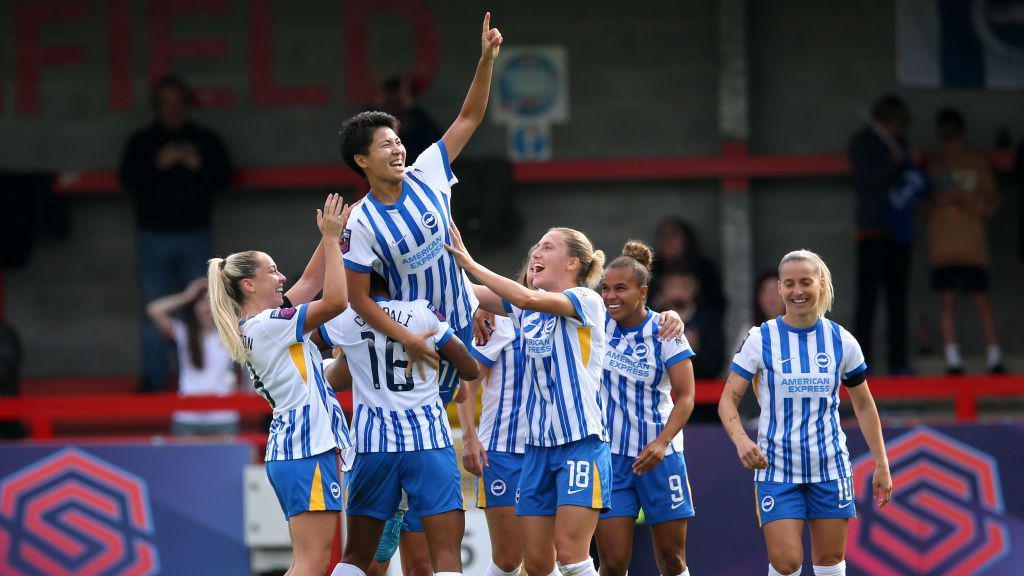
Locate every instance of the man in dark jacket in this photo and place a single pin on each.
(172, 168)
(878, 158)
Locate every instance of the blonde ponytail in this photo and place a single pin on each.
(223, 276)
(580, 248)
(828, 295)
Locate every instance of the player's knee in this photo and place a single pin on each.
(786, 564)
(671, 562)
(615, 565)
(828, 558)
(537, 567)
(506, 561)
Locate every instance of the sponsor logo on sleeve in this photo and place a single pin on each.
(283, 313)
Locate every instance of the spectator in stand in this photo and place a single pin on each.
(11, 357)
(680, 291)
(885, 182)
(677, 248)
(172, 168)
(417, 129)
(204, 366)
(964, 198)
(766, 304)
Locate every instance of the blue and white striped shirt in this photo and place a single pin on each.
(503, 423)
(637, 389)
(286, 370)
(404, 241)
(392, 411)
(796, 374)
(563, 368)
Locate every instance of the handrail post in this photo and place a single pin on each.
(965, 405)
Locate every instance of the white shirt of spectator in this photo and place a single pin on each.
(217, 377)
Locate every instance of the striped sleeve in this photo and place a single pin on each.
(357, 245)
(435, 167)
(675, 350)
(748, 359)
(853, 357)
(502, 336)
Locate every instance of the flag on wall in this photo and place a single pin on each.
(960, 43)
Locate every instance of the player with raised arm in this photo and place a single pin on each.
(642, 372)
(566, 477)
(246, 292)
(802, 467)
(400, 431)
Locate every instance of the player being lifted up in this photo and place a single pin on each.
(401, 228)
(400, 431)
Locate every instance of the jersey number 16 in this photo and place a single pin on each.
(390, 363)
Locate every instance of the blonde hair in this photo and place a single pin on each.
(223, 281)
(824, 275)
(580, 248)
(638, 257)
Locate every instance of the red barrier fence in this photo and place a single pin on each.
(734, 163)
(41, 413)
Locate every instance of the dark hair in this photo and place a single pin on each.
(891, 109)
(950, 124)
(691, 249)
(379, 284)
(357, 133)
(193, 332)
(759, 317)
(173, 82)
(637, 257)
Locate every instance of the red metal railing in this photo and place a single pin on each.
(41, 413)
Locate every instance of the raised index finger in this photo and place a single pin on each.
(487, 22)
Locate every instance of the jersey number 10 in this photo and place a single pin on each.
(390, 363)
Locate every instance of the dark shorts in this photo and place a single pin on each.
(961, 278)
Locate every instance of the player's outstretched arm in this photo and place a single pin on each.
(331, 221)
(518, 295)
(473, 108)
(871, 427)
(750, 455)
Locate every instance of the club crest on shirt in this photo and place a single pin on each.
(283, 313)
(429, 220)
(537, 334)
(641, 350)
(346, 240)
(822, 360)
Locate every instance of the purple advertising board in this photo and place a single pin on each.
(122, 509)
(957, 508)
